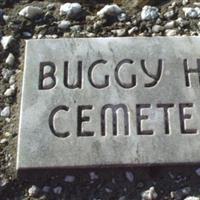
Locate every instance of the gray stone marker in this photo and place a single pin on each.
(110, 101)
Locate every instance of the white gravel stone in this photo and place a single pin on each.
(12, 79)
(6, 73)
(64, 24)
(93, 176)
(46, 189)
(170, 25)
(119, 32)
(69, 179)
(192, 12)
(174, 4)
(108, 190)
(181, 193)
(149, 13)
(110, 10)
(57, 190)
(33, 191)
(196, 4)
(97, 24)
(181, 22)
(3, 182)
(6, 18)
(122, 17)
(129, 176)
(5, 112)
(122, 198)
(132, 30)
(3, 141)
(51, 6)
(54, 36)
(198, 171)
(171, 32)
(7, 134)
(149, 194)
(10, 60)
(157, 28)
(27, 34)
(71, 10)
(6, 40)
(8, 92)
(31, 12)
(169, 14)
(192, 198)
(90, 34)
(185, 2)
(7, 119)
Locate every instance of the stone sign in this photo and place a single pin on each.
(110, 101)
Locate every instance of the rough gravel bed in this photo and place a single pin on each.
(54, 19)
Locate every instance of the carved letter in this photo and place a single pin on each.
(51, 119)
(156, 77)
(184, 116)
(140, 117)
(43, 76)
(166, 114)
(118, 67)
(78, 83)
(187, 71)
(114, 109)
(82, 119)
(90, 75)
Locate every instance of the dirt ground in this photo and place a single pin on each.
(109, 183)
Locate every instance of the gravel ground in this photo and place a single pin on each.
(53, 19)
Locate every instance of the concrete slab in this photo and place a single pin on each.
(110, 101)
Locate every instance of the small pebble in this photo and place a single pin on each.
(7, 134)
(69, 179)
(10, 91)
(27, 34)
(149, 13)
(3, 141)
(170, 14)
(133, 30)
(57, 190)
(157, 28)
(10, 60)
(109, 10)
(5, 112)
(122, 17)
(185, 2)
(170, 25)
(6, 73)
(12, 79)
(119, 32)
(71, 10)
(46, 189)
(33, 191)
(64, 25)
(171, 32)
(5, 41)
(31, 12)
(93, 176)
(181, 193)
(130, 176)
(198, 171)
(149, 194)
(192, 12)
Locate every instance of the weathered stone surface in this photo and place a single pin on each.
(153, 81)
